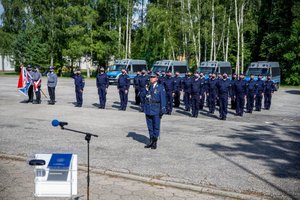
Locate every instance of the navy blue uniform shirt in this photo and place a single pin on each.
(123, 82)
(102, 80)
(155, 102)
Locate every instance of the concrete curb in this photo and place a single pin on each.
(154, 181)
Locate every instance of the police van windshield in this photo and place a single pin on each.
(180, 69)
(158, 68)
(117, 67)
(257, 71)
(206, 70)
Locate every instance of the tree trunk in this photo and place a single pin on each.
(242, 36)
(212, 30)
(238, 38)
(192, 31)
(2, 61)
(228, 36)
(127, 31)
(199, 32)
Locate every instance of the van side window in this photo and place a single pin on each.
(275, 71)
(226, 70)
(180, 69)
(137, 68)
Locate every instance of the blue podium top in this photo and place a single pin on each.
(60, 161)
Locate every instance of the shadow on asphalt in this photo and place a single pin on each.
(138, 137)
(183, 112)
(266, 147)
(297, 92)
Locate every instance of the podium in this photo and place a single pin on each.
(58, 177)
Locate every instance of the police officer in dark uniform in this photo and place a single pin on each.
(240, 87)
(202, 91)
(223, 88)
(187, 87)
(142, 82)
(269, 88)
(232, 94)
(30, 89)
(169, 87)
(79, 86)
(251, 92)
(212, 93)
(177, 89)
(206, 92)
(136, 88)
(123, 87)
(259, 93)
(51, 83)
(102, 84)
(219, 77)
(162, 77)
(195, 92)
(37, 82)
(154, 108)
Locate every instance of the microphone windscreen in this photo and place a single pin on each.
(55, 122)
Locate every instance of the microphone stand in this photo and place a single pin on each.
(88, 139)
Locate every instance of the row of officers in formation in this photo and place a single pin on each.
(197, 90)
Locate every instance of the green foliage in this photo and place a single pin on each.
(38, 32)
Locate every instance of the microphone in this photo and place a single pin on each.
(55, 122)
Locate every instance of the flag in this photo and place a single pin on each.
(36, 84)
(24, 81)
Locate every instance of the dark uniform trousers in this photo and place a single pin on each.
(30, 93)
(78, 96)
(123, 97)
(169, 99)
(202, 100)
(176, 98)
(240, 103)
(212, 101)
(102, 96)
(38, 94)
(51, 91)
(268, 98)
(143, 93)
(258, 100)
(195, 104)
(137, 97)
(187, 100)
(153, 124)
(223, 105)
(250, 101)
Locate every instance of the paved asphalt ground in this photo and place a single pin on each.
(258, 154)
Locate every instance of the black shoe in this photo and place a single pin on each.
(154, 145)
(149, 145)
(78, 106)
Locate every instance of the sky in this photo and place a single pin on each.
(1, 11)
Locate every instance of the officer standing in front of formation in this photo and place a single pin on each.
(187, 86)
(37, 81)
(177, 89)
(232, 94)
(240, 87)
(154, 108)
(202, 91)
(30, 89)
(223, 88)
(212, 93)
(251, 92)
(142, 82)
(169, 87)
(195, 92)
(51, 83)
(206, 92)
(79, 86)
(269, 88)
(123, 87)
(136, 88)
(259, 93)
(102, 83)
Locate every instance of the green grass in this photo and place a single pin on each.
(290, 86)
(13, 73)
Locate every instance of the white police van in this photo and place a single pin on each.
(264, 68)
(210, 67)
(170, 65)
(131, 66)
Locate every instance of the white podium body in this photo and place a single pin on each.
(58, 177)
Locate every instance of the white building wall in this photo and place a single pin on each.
(8, 63)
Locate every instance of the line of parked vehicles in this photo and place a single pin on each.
(133, 66)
